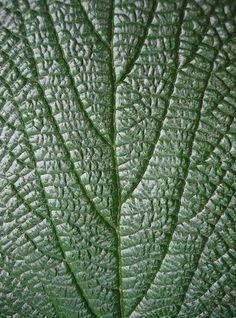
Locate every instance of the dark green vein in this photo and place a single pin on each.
(198, 258)
(220, 138)
(57, 237)
(40, 89)
(129, 66)
(146, 161)
(186, 170)
(63, 144)
(67, 68)
(21, 199)
(68, 157)
(211, 194)
(68, 267)
(228, 126)
(37, 248)
(206, 27)
(177, 46)
(64, 63)
(151, 150)
(92, 27)
(79, 102)
(50, 219)
(116, 179)
(228, 267)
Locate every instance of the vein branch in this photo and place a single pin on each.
(139, 45)
(116, 179)
(186, 171)
(57, 129)
(96, 33)
(151, 150)
(68, 156)
(50, 219)
(66, 67)
(206, 239)
(177, 45)
(146, 161)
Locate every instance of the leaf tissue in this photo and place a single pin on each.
(117, 158)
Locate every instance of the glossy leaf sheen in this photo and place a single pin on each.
(117, 159)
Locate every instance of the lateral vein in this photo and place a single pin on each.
(139, 45)
(177, 45)
(66, 66)
(96, 33)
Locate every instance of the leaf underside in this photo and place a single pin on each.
(117, 158)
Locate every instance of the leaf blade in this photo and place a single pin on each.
(117, 163)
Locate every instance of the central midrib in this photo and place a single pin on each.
(115, 82)
(115, 175)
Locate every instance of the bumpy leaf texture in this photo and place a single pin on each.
(117, 160)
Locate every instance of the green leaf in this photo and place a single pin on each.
(117, 159)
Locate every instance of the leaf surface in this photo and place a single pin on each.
(117, 159)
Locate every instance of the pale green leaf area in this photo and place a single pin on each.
(117, 158)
